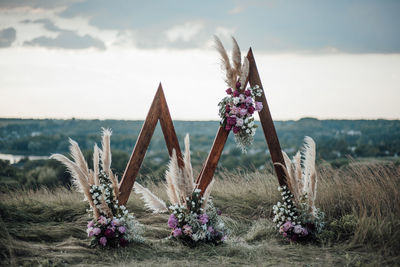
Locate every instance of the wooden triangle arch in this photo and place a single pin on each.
(159, 111)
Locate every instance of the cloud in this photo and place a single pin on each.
(184, 32)
(7, 37)
(44, 4)
(67, 40)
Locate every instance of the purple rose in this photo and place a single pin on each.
(238, 84)
(249, 100)
(96, 231)
(243, 106)
(236, 129)
(236, 93)
(231, 120)
(243, 111)
(121, 229)
(172, 221)
(250, 110)
(259, 106)
(229, 91)
(109, 233)
(177, 232)
(103, 241)
(228, 127)
(203, 218)
(247, 92)
(90, 224)
(287, 225)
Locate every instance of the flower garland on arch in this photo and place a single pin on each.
(237, 109)
(236, 112)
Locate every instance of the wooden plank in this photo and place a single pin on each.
(139, 151)
(267, 122)
(168, 129)
(211, 163)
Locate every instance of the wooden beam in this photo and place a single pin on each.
(158, 111)
(267, 122)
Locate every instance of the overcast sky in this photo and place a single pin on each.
(104, 59)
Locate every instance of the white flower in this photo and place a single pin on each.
(236, 100)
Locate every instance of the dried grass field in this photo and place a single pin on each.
(361, 202)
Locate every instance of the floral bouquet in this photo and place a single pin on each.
(237, 109)
(236, 112)
(112, 225)
(193, 216)
(192, 224)
(297, 218)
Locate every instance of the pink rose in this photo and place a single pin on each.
(96, 231)
(102, 220)
(177, 232)
(90, 224)
(121, 229)
(259, 106)
(287, 225)
(243, 112)
(103, 241)
(172, 221)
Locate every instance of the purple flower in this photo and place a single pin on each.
(235, 110)
(243, 106)
(219, 212)
(243, 111)
(225, 237)
(96, 231)
(89, 231)
(177, 232)
(304, 232)
(172, 221)
(109, 233)
(239, 122)
(236, 129)
(287, 225)
(238, 84)
(203, 218)
(102, 220)
(228, 127)
(103, 241)
(122, 229)
(90, 224)
(247, 92)
(227, 108)
(297, 229)
(259, 106)
(236, 93)
(210, 229)
(231, 120)
(250, 110)
(284, 234)
(229, 91)
(187, 230)
(115, 222)
(249, 100)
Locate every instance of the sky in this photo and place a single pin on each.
(99, 59)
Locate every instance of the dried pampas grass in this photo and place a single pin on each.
(301, 175)
(235, 71)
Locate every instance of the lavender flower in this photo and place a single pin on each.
(287, 225)
(187, 230)
(177, 232)
(122, 229)
(96, 231)
(259, 106)
(172, 221)
(103, 241)
(203, 218)
(90, 224)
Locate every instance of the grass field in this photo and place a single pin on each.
(361, 202)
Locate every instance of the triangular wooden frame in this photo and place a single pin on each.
(159, 112)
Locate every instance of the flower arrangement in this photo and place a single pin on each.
(237, 109)
(297, 218)
(112, 225)
(191, 224)
(193, 216)
(236, 113)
